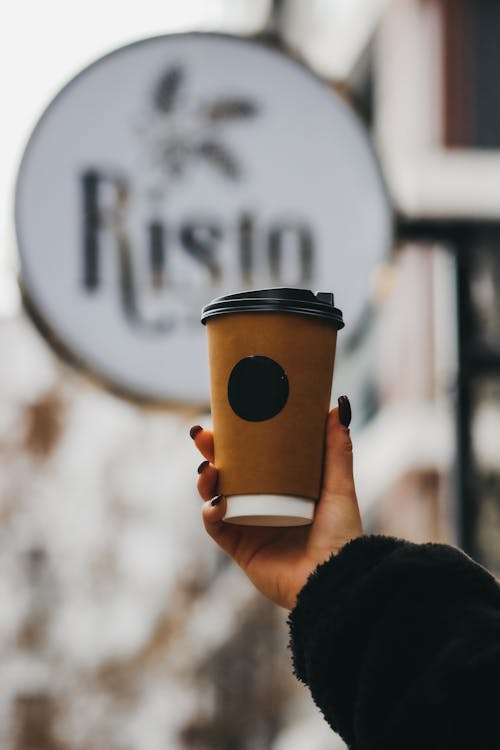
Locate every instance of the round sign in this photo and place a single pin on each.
(178, 169)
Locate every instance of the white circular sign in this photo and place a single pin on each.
(177, 169)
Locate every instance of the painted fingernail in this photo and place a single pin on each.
(195, 430)
(345, 413)
(203, 466)
(216, 500)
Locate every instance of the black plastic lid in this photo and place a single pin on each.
(301, 301)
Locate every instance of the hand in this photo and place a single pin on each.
(279, 561)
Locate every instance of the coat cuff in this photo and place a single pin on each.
(330, 585)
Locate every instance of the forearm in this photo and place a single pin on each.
(400, 645)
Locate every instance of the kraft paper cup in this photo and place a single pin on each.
(271, 355)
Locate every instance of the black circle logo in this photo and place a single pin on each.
(257, 389)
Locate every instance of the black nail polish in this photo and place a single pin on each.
(216, 500)
(203, 466)
(345, 413)
(195, 430)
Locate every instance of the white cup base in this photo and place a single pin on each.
(269, 510)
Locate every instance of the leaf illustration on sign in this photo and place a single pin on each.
(181, 135)
(228, 109)
(167, 89)
(220, 157)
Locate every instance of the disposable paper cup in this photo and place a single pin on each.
(271, 356)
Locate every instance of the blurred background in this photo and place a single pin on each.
(121, 626)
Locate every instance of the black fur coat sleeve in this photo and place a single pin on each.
(399, 644)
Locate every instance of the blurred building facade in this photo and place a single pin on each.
(439, 139)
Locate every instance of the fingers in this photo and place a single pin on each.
(226, 535)
(214, 508)
(207, 481)
(204, 441)
(213, 512)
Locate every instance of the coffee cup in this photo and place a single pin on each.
(271, 357)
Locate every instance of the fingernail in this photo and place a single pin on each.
(202, 466)
(195, 430)
(216, 500)
(345, 413)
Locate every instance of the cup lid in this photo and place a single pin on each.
(301, 301)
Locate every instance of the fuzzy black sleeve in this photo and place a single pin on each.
(399, 644)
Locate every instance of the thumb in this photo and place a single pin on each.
(338, 478)
(337, 518)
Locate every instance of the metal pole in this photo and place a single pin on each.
(466, 485)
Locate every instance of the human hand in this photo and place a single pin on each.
(279, 561)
